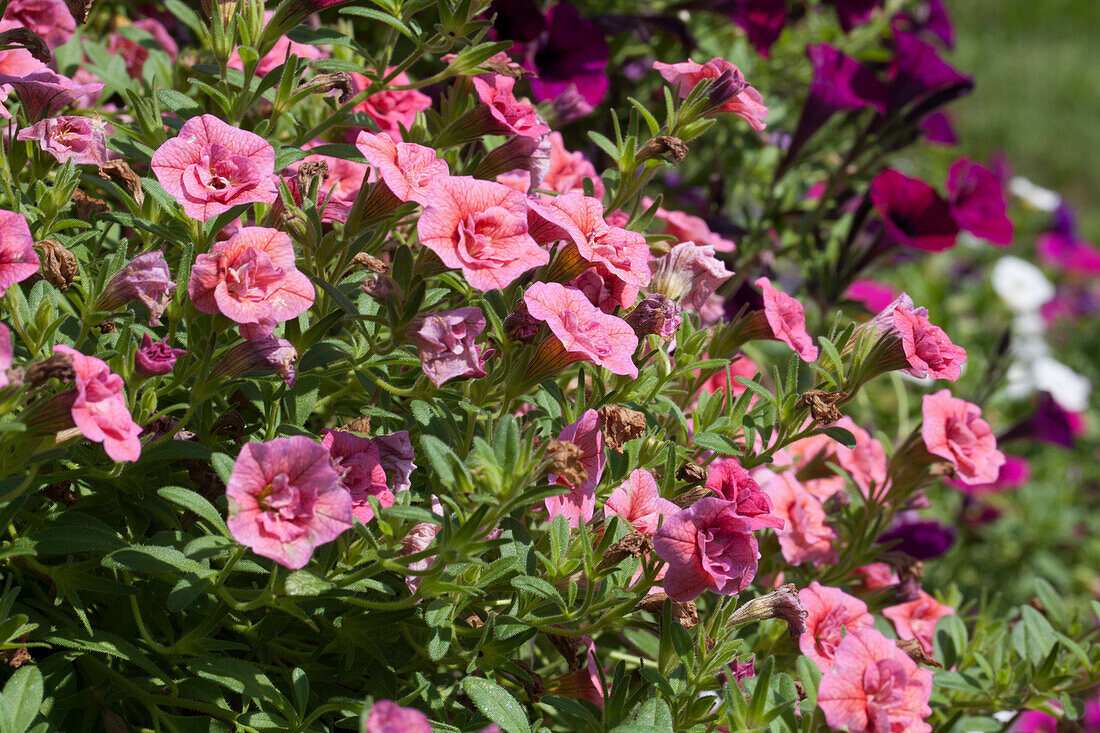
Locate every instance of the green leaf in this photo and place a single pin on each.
(842, 436)
(305, 583)
(540, 588)
(74, 532)
(653, 713)
(497, 704)
(155, 559)
(194, 502)
(21, 699)
(950, 640)
(717, 443)
(1033, 637)
(1052, 602)
(180, 103)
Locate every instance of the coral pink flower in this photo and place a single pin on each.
(690, 274)
(210, 167)
(18, 260)
(740, 366)
(829, 612)
(79, 139)
(928, 349)
(807, 457)
(391, 109)
(917, 619)
(445, 342)
(135, 55)
(387, 716)
(44, 92)
(866, 463)
(283, 49)
(746, 103)
(583, 330)
(285, 499)
(805, 536)
(50, 19)
(604, 290)
(874, 686)
(875, 576)
(787, 320)
(579, 219)
(1014, 473)
(707, 546)
(568, 171)
(408, 170)
(638, 502)
(687, 228)
(579, 504)
(733, 483)
(508, 113)
(99, 409)
(954, 429)
(251, 279)
(480, 227)
(359, 465)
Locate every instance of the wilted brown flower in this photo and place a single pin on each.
(79, 9)
(915, 650)
(87, 205)
(634, 544)
(120, 173)
(685, 614)
(29, 40)
(59, 366)
(692, 495)
(822, 405)
(336, 81)
(691, 473)
(664, 146)
(565, 461)
(308, 172)
(58, 264)
(358, 425)
(371, 263)
(621, 424)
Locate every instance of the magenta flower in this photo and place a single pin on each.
(99, 408)
(359, 463)
(707, 546)
(853, 13)
(480, 227)
(733, 483)
(913, 213)
(762, 21)
(918, 72)
(50, 19)
(580, 503)
(953, 429)
(210, 167)
(874, 686)
(408, 170)
(938, 130)
(638, 502)
(387, 716)
(977, 202)
(391, 109)
(805, 536)
(509, 115)
(874, 296)
(583, 330)
(285, 499)
(927, 347)
(829, 613)
(787, 320)
(446, 344)
(251, 279)
(145, 278)
(45, 92)
(18, 260)
(1062, 246)
(79, 139)
(155, 358)
(917, 619)
(569, 57)
(746, 104)
(135, 55)
(689, 273)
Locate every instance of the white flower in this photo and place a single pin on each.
(1068, 388)
(1041, 198)
(1021, 285)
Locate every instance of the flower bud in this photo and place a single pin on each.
(155, 358)
(520, 325)
(261, 355)
(145, 278)
(782, 603)
(656, 314)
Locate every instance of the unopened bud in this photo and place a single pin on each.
(782, 603)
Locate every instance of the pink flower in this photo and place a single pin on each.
(285, 499)
(387, 716)
(568, 171)
(407, 169)
(15, 62)
(283, 49)
(689, 273)
(583, 330)
(210, 167)
(391, 109)
(579, 219)
(50, 19)
(875, 576)
(145, 278)
(79, 139)
(927, 347)
(480, 227)
(583, 682)
(417, 540)
(807, 458)
(18, 260)
(954, 429)
(1014, 473)
(579, 504)
(746, 103)
(977, 201)
(787, 320)
(830, 612)
(874, 686)
(873, 295)
(687, 228)
(509, 114)
(917, 619)
(740, 366)
(6, 354)
(99, 409)
(156, 358)
(44, 92)
(396, 455)
(251, 279)
(638, 502)
(604, 290)
(135, 55)
(707, 546)
(358, 463)
(446, 344)
(866, 463)
(805, 536)
(733, 483)
(339, 188)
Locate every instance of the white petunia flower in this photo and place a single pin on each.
(1021, 285)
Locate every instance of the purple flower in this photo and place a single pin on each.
(446, 344)
(912, 212)
(762, 21)
(145, 278)
(918, 72)
(517, 20)
(1063, 247)
(922, 539)
(155, 358)
(931, 17)
(938, 130)
(571, 52)
(978, 203)
(259, 355)
(395, 453)
(1049, 424)
(853, 13)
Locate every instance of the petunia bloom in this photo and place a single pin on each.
(18, 260)
(391, 109)
(927, 347)
(874, 686)
(50, 19)
(830, 612)
(134, 54)
(746, 103)
(508, 114)
(480, 227)
(285, 499)
(259, 355)
(865, 462)
(358, 462)
(211, 166)
(707, 546)
(638, 502)
(805, 537)
(689, 274)
(918, 72)
(762, 21)
(445, 342)
(568, 57)
(145, 278)
(386, 716)
(687, 228)
(923, 539)
(75, 138)
(251, 279)
(278, 55)
(787, 320)
(396, 455)
(917, 619)
(912, 212)
(953, 429)
(583, 331)
(155, 358)
(579, 504)
(733, 483)
(1013, 474)
(568, 171)
(45, 92)
(408, 170)
(977, 201)
(99, 407)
